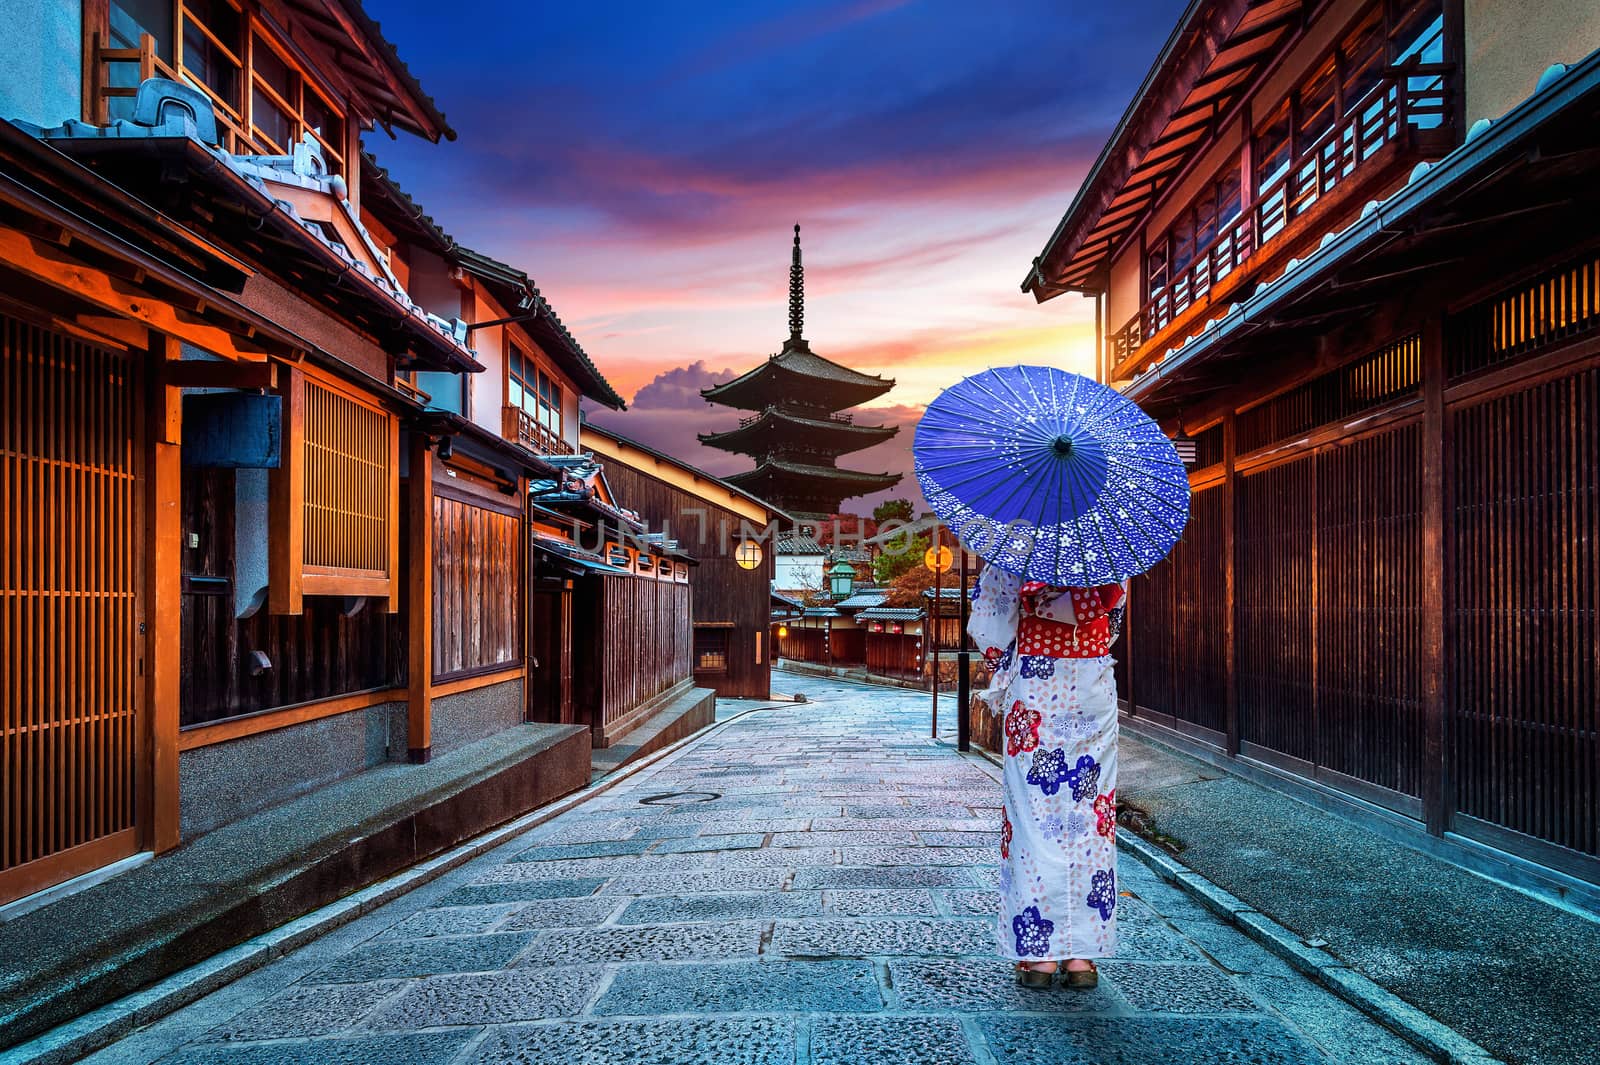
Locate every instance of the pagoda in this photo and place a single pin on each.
(797, 430)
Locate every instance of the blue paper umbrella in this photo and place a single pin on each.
(1051, 476)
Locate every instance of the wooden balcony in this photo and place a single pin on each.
(520, 426)
(1394, 127)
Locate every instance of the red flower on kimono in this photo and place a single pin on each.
(1105, 814)
(1005, 833)
(1022, 729)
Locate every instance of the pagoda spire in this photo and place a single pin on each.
(797, 289)
(797, 431)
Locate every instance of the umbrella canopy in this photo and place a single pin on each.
(1051, 476)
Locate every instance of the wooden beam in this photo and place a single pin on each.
(163, 592)
(393, 547)
(204, 373)
(39, 259)
(419, 605)
(286, 504)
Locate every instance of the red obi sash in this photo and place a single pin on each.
(1066, 622)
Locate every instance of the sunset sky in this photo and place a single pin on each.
(646, 164)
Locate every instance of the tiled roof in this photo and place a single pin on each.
(890, 613)
(830, 473)
(822, 612)
(493, 270)
(398, 67)
(799, 360)
(795, 544)
(863, 599)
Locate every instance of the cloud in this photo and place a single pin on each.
(669, 412)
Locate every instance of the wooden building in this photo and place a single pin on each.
(729, 533)
(1350, 249)
(614, 641)
(255, 548)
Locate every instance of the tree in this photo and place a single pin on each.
(892, 562)
(892, 509)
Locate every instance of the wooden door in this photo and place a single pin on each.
(71, 545)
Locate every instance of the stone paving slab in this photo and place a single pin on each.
(763, 1041)
(491, 998)
(901, 1040)
(797, 936)
(768, 987)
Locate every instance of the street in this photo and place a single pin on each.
(808, 883)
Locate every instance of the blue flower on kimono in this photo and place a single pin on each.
(1038, 666)
(1084, 778)
(1077, 824)
(1005, 876)
(1052, 826)
(1049, 769)
(1032, 932)
(1102, 894)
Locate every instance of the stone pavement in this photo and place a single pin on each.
(806, 884)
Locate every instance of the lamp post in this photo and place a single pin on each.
(963, 668)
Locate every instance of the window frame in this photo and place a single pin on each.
(235, 115)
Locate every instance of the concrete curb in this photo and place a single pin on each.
(99, 1028)
(1432, 1037)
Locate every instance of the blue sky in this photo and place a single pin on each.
(646, 162)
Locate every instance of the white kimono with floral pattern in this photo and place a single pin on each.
(1058, 871)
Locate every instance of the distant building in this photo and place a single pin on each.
(797, 431)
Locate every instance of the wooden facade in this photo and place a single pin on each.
(731, 604)
(72, 713)
(1387, 582)
(236, 511)
(639, 646)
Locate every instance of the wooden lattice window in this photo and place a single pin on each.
(1558, 306)
(336, 498)
(710, 649)
(264, 101)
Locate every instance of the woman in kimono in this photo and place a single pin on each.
(1049, 649)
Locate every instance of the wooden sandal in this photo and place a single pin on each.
(1083, 979)
(1034, 978)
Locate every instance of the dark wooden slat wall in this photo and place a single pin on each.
(477, 565)
(645, 643)
(895, 655)
(71, 453)
(318, 654)
(723, 593)
(1274, 523)
(1526, 591)
(1332, 612)
(806, 645)
(1369, 611)
(849, 646)
(1200, 605)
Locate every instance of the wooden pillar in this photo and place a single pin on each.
(1230, 563)
(419, 608)
(163, 594)
(286, 503)
(1435, 766)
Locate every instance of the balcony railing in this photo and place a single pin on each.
(525, 430)
(1399, 110)
(817, 415)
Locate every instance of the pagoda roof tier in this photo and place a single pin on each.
(799, 482)
(776, 428)
(794, 372)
